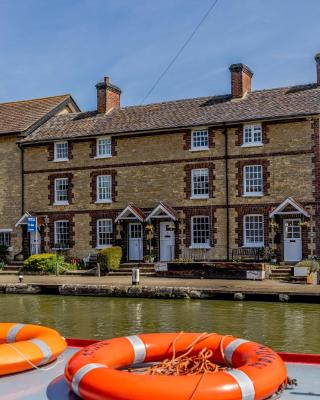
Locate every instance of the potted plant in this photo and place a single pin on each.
(149, 258)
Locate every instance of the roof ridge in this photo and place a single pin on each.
(37, 98)
(213, 96)
(284, 87)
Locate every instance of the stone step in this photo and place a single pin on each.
(17, 263)
(12, 268)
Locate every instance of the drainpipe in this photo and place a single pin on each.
(22, 180)
(226, 157)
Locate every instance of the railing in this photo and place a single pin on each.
(196, 254)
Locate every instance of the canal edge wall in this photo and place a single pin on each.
(158, 292)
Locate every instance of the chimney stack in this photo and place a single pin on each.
(317, 58)
(108, 96)
(240, 80)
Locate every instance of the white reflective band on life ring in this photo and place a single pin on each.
(139, 349)
(12, 333)
(229, 350)
(244, 382)
(45, 350)
(81, 373)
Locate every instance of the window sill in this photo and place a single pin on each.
(100, 247)
(253, 246)
(253, 195)
(60, 159)
(200, 149)
(61, 203)
(101, 157)
(103, 202)
(200, 247)
(252, 145)
(199, 197)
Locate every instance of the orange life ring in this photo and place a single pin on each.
(94, 373)
(24, 346)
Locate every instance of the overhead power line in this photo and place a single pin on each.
(180, 50)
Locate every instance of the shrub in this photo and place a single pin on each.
(312, 265)
(47, 263)
(110, 258)
(2, 265)
(3, 253)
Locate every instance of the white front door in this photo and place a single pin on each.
(135, 241)
(292, 240)
(35, 248)
(167, 242)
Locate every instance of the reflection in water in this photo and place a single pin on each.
(288, 327)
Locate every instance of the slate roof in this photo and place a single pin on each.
(257, 105)
(19, 116)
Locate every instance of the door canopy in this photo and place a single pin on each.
(288, 207)
(131, 212)
(162, 210)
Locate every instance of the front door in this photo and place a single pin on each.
(167, 242)
(35, 243)
(135, 241)
(292, 240)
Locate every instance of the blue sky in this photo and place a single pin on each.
(51, 47)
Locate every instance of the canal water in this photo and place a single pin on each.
(291, 327)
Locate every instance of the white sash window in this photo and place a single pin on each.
(104, 232)
(253, 180)
(61, 186)
(104, 189)
(253, 228)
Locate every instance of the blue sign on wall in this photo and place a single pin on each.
(32, 224)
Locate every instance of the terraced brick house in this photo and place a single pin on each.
(18, 120)
(194, 179)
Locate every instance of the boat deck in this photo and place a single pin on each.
(49, 383)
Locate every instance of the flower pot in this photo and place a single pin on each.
(301, 271)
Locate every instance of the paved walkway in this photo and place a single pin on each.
(219, 285)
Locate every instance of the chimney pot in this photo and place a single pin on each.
(108, 96)
(240, 80)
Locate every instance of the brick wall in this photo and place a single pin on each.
(156, 167)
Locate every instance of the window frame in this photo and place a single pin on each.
(55, 158)
(197, 245)
(98, 199)
(56, 201)
(99, 245)
(199, 196)
(251, 143)
(199, 148)
(6, 232)
(244, 183)
(256, 244)
(55, 234)
(98, 155)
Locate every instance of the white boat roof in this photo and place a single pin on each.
(49, 383)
